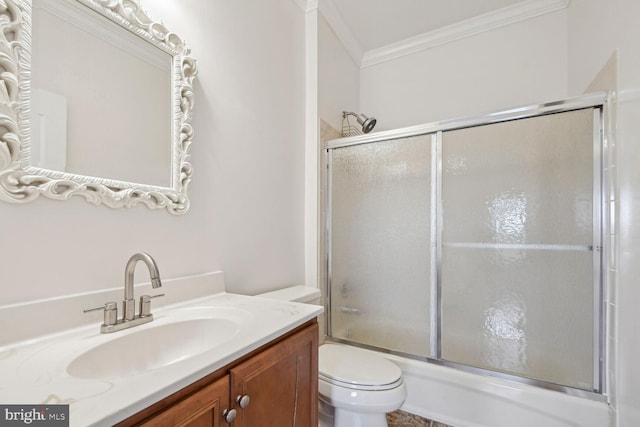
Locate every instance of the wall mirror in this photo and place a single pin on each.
(95, 101)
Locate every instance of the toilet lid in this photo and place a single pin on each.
(356, 368)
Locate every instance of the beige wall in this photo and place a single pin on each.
(597, 28)
(518, 64)
(338, 77)
(247, 193)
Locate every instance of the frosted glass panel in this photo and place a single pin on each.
(380, 244)
(525, 312)
(517, 283)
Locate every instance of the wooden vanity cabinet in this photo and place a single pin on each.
(201, 409)
(280, 380)
(282, 383)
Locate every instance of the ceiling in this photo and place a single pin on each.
(378, 23)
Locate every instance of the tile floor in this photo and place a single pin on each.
(405, 419)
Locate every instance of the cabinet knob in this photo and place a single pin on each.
(229, 415)
(243, 401)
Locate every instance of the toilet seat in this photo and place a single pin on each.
(357, 369)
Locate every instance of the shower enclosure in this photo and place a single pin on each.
(475, 243)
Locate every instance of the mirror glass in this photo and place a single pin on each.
(95, 101)
(100, 97)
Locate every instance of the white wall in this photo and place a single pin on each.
(247, 193)
(596, 29)
(338, 77)
(518, 64)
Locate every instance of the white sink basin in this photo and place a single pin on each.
(153, 347)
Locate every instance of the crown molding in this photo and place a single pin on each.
(310, 5)
(307, 5)
(489, 21)
(302, 4)
(329, 11)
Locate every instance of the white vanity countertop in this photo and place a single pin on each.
(34, 372)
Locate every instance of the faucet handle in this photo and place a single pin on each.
(110, 312)
(145, 304)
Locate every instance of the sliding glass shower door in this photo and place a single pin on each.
(475, 244)
(380, 238)
(517, 262)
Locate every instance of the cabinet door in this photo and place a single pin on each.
(281, 382)
(201, 409)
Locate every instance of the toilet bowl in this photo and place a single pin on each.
(357, 388)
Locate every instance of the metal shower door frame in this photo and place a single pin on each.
(603, 215)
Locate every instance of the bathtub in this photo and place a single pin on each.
(463, 399)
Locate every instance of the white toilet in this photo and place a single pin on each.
(356, 388)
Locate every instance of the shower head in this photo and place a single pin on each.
(367, 123)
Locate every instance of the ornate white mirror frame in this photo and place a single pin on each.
(20, 181)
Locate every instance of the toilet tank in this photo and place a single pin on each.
(301, 294)
(304, 294)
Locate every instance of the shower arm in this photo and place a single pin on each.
(367, 123)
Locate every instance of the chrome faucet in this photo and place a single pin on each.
(129, 304)
(129, 319)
